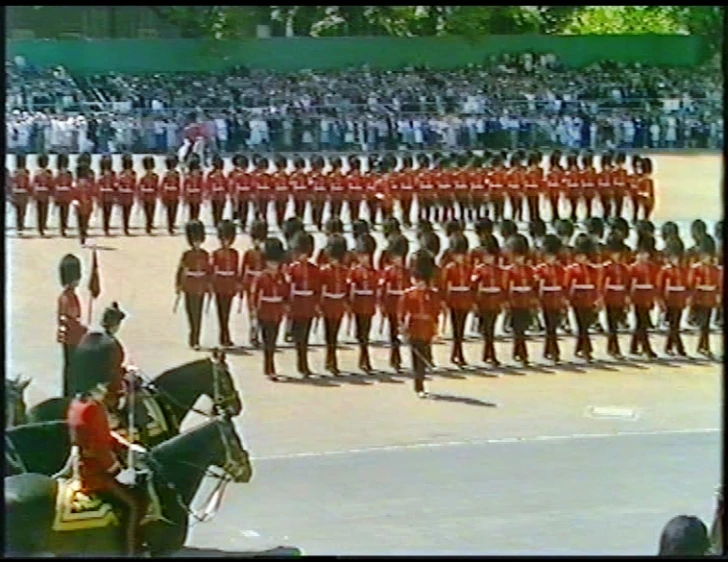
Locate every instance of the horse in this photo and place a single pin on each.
(37, 447)
(15, 407)
(177, 469)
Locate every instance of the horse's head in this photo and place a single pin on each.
(15, 407)
(225, 396)
(235, 461)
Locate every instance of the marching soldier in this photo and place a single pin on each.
(619, 183)
(216, 186)
(225, 278)
(632, 185)
(261, 183)
(42, 192)
(672, 284)
(719, 262)
(240, 189)
(456, 278)
(489, 284)
(335, 182)
(520, 281)
(390, 230)
(335, 289)
(83, 197)
(537, 233)
(127, 189)
(478, 180)
(394, 280)
(642, 294)
(21, 191)
(70, 328)
(614, 284)
(604, 184)
(550, 275)
(452, 228)
(63, 190)
(533, 185)
(299, 186)
(107, 188)
(319, 190)
(418, 313)
(515, 185)
(193, 187)
(250, 269)
(406, 177)
(171, 191)
(356, 187)
(572, 183)
(588, 182)
(555, 184)
(363, 282)
(565, 231)
(484, 231)
(461, 185)
(281, 189)
(426, 191)
(193, 278)
(645, 191)
(270, 295)
(580, 281)
(149, 191)
(706, 284)
(305, 291)
(333, 227)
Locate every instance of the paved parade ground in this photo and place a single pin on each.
(576, 459)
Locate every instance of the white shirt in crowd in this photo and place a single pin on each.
(157, 105)
(418, 134)
(655, 133)
(671, 131)
(221, 129)
(628, 130)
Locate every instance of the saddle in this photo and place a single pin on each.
(156, 422)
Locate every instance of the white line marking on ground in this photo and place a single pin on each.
(494, 441)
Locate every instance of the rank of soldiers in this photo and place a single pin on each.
(476, 186)
(539, 277)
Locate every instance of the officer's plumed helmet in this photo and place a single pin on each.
(69, 269)
(584, 245)
(518, 245)
(259, 230)
(226, 230)
(273, 250)
(336, 248)
(458, 243)
(551, 244)
(303, 243)
(398, 246)
(195, 231)
(365, 244)
(113, 315)
(359, 227)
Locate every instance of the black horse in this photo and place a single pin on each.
(42, 448)
(15, 408)
(178, 466)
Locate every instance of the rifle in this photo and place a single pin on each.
(176, 302)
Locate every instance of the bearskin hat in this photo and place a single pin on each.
(127, 161)
(462, 159)
(43, 160)
(645, 243)
(217, 162)
(518, 245)
(423, 160)
(195, 231)
(587, 159)
(359, 227)
(398, 246)
(551, 244)
(606, 161)
(707, 245)
(595, 227)
(620, 224)
(62, 161)
(430, 241)
(407, 161)
(555, 159)
(534, 159)
(614, 243)
(620, 158)
(226, 230)
(19, 161)
(299, 163)
(584, 245)
(280, 162)
(336, 248)
(194, 164)
(354, 162)
(273, 250)
(303, 243)
(674, 247)
(564, 228)
(669, 230)
(423, 266)
(365, 244)
(262, 163)
(372, 161)
(459, 243)
(91, 362)
(490, 245)
(636, 161)
(84, 159)
(240, 161)
(423, 226)
(105, 164)
(291, 227)
(336, 162)
(698, 227)
(646, 166)
(483, 226)
(572, 160)
(69, 269)
(645, 226)
(719, 231)
(334, 226)
(497, 160)
(171, 161)
(391, 226)
(259, 230)
(453, 227)
(684, 536)
(537, 228)
(112, 316)
(508, 228)
(148, 163)
(390, 162)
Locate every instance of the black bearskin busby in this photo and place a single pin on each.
(587, 159)
(69, 269)
(483, 226)
(674, 247)
(359, 227)
(407, 162)
(365, 244)
(112, 316)
(43, 160)
(334, 226)
(595, 227)
(615, 244)
(517, 245)
(281, 163)
(92, 362)
(551, 245)
(645, 226)
(226, 230)
(171, 162)
(620, 225)
(458, 243)
(620, 158)
(584, 245)
(259, 230)
(291, 227)
(127, 161)
(423, 266)
(508, 228)
(217, 162)
(645, 243)
(430, 241)
(240, 161)
(564, 228)
(354, 162)
(398, 246)
(195, 231)
(555, 159)
(646, 166)
(453, 227)
(106, 163)
(707, 246)
(62, 161)
(424, 226)
(303, 243)
(391, 226)
(718, 231)
(273, 250)
(84, 159)
(572, 160)
(606, 161)
(336, 248)
(537, 228)
(20, 161)
(698, 228)
(669, 230)
(148, 163)
(490, 245)
(684, 536)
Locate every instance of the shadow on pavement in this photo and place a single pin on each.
(190, 552)
(462, 400)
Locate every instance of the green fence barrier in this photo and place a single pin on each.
(142, 55)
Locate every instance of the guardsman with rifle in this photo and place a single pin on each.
(171, 191)
(336, 184)
(363, 284)
(452, 228)
(63, 190)
(418, 312)
(489, 285)
(631, 185)
(390, 229)
(604, 185)
(305, 290)
(42, 189)
(533, 185)
(551, 295)
(407, 185)
(555, 179)
(70, 329)
(445, 187)
(216, 186)
(355, 183)
(426, 188)
(250, 269)
(571, 188)
(318, 190)
(333, 227)
(385, 188)
(642, 294)
(193, 279)
(497, 187)
(281, 189)
(262, 188)
(619, 183)
(514, 183)
(588, 182)
(335, 290)
(673, 286)
(706, 285)
(239, 184)
(483, 230)
(149, 192)
(194, 186)
(271, 298)
(127, 189)
(20, 191)
(645, 190)
(299, 186)
(461, 185)
(457, 292)
(393, 282)
(520, 295)
(614, 286)
(478, 189)
(84, 193)
(537, 233)
(580, 282)
(225, 271)
(107, 191)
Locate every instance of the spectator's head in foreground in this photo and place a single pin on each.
(684, 535)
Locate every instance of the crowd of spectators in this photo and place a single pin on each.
(512, 102)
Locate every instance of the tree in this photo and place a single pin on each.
(607, 20)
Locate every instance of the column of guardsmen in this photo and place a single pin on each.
(444, 185)
(541, 278)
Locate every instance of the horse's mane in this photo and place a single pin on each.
(184, 369)
(192, 439)
(37, 427)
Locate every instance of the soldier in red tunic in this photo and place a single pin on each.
(520, 282)
(240, 190)
(224, 266)
(216, 186)
(305, 290)
(63, 190)
(281, 189)
(642, 294)
(193, 278)
(672, 284)
(706, 285)
(42, 189)
(484, 231)
(571, 187)
(193, 187)
(335, 182)
(550, 275)
(580, 282)
(393, 282)
(148, 192)
(335, 289)
(554, 184)
(83, 196)
(171, 190)
(390, 230)
(127, 189)
(250, 269)
(299, 186)
(604, 185)
(262, 188)
(333, 227)
(532, 185)
(461, 185)
(489, 285)
(363, 283)
(457, 293)
(614, 284)
(426, 187)
(318, 190)
(419, 310)
(619, 183)
(445, 188)
(645, 191)
(407, 185)
(107, 188)
(20, 191)
(271, 298)
(514, 184)
(588, 182)
(354, 187)
(70, 329)
(478, 187)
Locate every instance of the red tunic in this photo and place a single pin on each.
(21, 186)
(672, 284)
(406, 185)
(42, 187)
(193, 187)
(706, 284)
(251, 267)
(588, 182)
(551, 285)
(580, 281)
(533, 181)
(514, 181)
(305, 290)
(149, 187)
(418, 311)
(489, 284)
(224, 266)
(70, 330)
(555, 181)
(335, 290)
(171, 186)
(355, 185)
(457, 291)
(281, 187)
(520, 283)
(238, 183)
(63, 188)
(642, 290)
(461, 183)
(127, 187)
(298, 185)
(478, 181)
(393, 282)
(614, 283)
(363, 282)
(270, 295)
(106, 187)
(193, 273)
(216, 186)
(571, 185)
(336, 184)
(318, 187)
(84, 193)
(426, 180)
(604, 183)
(645, 189)
(445, 183)
(619, 181)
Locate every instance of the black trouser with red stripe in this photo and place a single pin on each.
(63, 217)
(703, 315)
(674, 316)
(395, 359)
(606, 201)
(457, 318)
(243, 207)
(223, 303)
(20, 208)
(478, 208)
(106, 209)
(618, 202)
(261, 207)
(126, 216)
(194, 211)
(584, 318)
(354, 209)
(551, 319)
(280, 207)
(193, 307)
(421, 359)
(363, 323)
(534, 212)
(406, 203)
(317, 213)
(516, 200)
(463, 201)
(217, 209)
(447, 207)
(425, 208)
(614, 316)
(520, 321)
(499, 206)
(41, 211)
(171, 207)
(149, 208)
(82, 219)
(554, 203)
(331, 333)
(68, 350)
(573, 203)
(300, 329)
(640, 337)
(336, 205)
(487, 326)
(299, 206)
(269, 330)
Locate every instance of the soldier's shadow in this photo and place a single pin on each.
(191, 552)
(462, 400)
